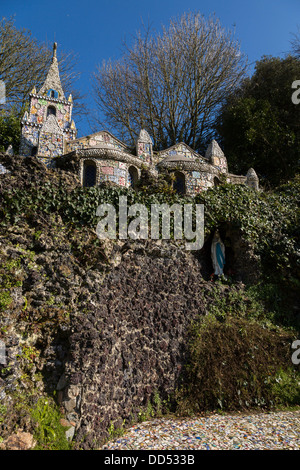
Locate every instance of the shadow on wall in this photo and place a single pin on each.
(28, 147)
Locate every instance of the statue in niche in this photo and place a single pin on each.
(218, 254)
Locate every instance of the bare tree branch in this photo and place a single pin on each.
(296, 43)
(24, 63)
(172, 83)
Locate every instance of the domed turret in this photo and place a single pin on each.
(252, 179)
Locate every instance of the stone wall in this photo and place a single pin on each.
(131, 342)
(95, 140)
(109, 325)
(112, 171)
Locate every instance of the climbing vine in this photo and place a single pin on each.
(267, 220)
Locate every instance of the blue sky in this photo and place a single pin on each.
(94, 30)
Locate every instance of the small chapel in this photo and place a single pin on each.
(49, 133)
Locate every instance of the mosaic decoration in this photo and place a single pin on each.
(221, 164)
(96, 140)
(278, 430)
(52, 82)
(198, 181)
(198, 171)
(120, 173)
(107, 170)
(144, 146)
(47, 161)
(114, 165)
(50, 145)
(216, 156)
(49, 113)
(182, 150)
(48, 131)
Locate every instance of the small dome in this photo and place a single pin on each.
(251, 174)
(144, 137)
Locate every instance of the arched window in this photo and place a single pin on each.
(179, 183)
(133, 176)
(52, 93)
(89, 174)
(51, 110)
(217, 182)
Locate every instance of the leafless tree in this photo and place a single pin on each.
(296, 44)
(24, 63)
(171, 83)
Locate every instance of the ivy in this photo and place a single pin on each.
(268, 220)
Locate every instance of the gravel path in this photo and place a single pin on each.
(262, 431)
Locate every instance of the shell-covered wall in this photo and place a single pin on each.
(48, 137)
(38, 111)
(108, 170)
(182, 150)
(197, 181)
(95, 140)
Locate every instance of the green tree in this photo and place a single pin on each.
(10, 131)
(259, 124)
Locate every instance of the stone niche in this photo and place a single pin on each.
(241, 264)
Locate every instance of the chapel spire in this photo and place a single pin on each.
(52, 85)
(54, 51)
(47, 125)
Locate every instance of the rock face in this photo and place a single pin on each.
(132, 343)
(19, 441)
(106, 339)
(104, 327)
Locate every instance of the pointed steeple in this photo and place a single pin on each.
(252, 179)
(48, 122)
(213, 150)
(144, 146)
(216, 156)
(52, 82)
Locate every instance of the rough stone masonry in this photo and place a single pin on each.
(132, 343)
